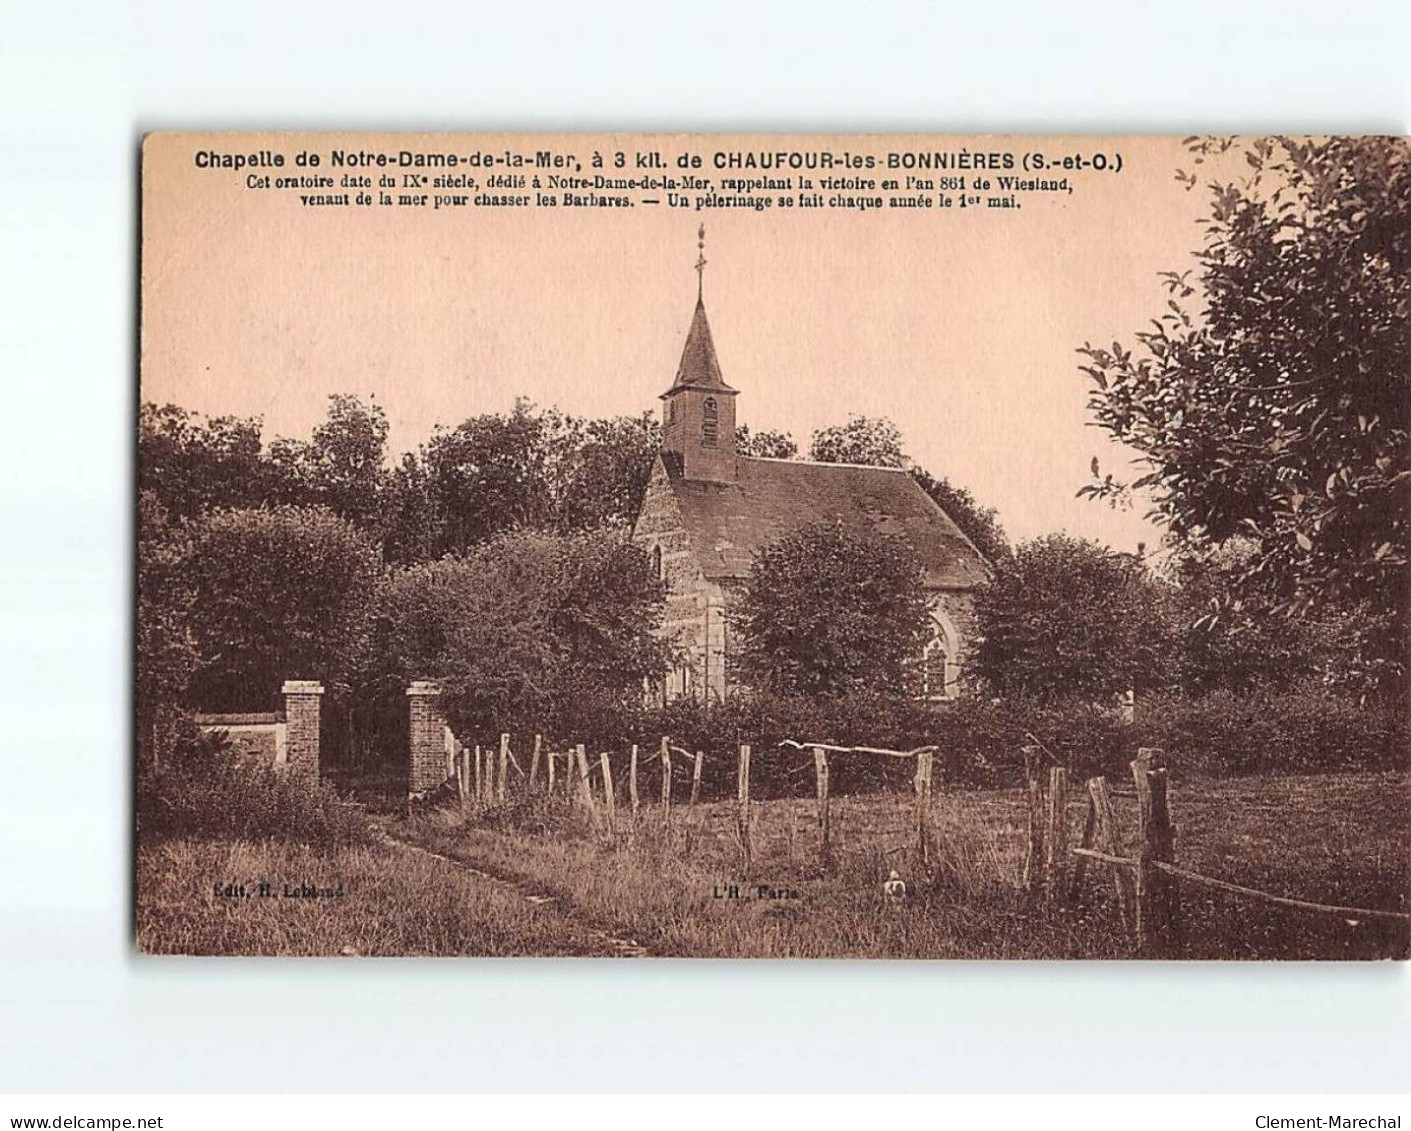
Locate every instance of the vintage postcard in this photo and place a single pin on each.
(773, 546)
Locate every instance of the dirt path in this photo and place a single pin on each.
(618, 946)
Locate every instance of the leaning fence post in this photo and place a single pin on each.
(534, 763)
(1157, 933)
(923, 806)
(609, 795)
(503, 776)
(1033, 853)
(1080, 865)
(549, 762)
(696, 778)
(632, 780)
(666, 779)
(1056, 835)
(820, 766)
(585, 787)
(744, 798)
(1109, 839)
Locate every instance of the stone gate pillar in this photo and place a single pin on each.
(428, 736)
(301, 723)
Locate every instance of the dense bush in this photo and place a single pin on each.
(829, 611)
(1069, 616)
(204, 790)
(279, 593)
(529, 630)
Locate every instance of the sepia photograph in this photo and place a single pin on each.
(773, 546)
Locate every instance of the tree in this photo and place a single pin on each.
(602, 470)
(489, 475)
(829, 611)
(279, 593)
(877, 442)
(166, 653)
(1271, 400)
(529, 469)
(1229, 639)
(412, 526)
(874, 441)
(192, 464)
(1068, 616)
(341, 466)
(554, 632)
(765, 444)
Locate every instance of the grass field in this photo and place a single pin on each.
(391, 903)
(1342, 839)
(557, 884)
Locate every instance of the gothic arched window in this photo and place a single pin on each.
(710, 422)
(940, 671)
(657, 567)
(935, 663)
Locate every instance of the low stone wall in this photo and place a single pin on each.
(261, 736)
(289, 738)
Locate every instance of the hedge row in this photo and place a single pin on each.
(1299, 731)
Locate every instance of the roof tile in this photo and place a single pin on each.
(728, 523)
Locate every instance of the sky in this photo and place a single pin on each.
(959, 325)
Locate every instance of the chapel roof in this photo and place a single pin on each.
(728, 523)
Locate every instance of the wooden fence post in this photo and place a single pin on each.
(632, 781)
(923, 806)
(696, 778)
(744, 798)
(1056, 835)
(479, 777)
(534, 763)
(666, 779)
(820, 766)
(1157, 934)
(550, 762)
(1108, 838)
(1033, 853)
(585, 787)
(503, 776)
(1080, 865)
(609, 795)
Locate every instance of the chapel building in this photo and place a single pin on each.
(708, 510)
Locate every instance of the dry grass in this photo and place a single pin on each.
(1340, 838)
(393, 903)
(684, 890)
(672, 889)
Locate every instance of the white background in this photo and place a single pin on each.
(79, 82)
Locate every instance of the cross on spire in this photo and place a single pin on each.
(700, 263)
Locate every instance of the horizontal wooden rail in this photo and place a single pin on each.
(1240, 889)
(859, 749)
(1106, 857)
(1287, 901)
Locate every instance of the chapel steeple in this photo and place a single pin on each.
(698, 414)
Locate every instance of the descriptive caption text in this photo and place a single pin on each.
(713, 180)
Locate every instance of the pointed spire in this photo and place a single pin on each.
(700, 368)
